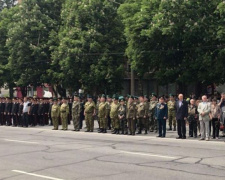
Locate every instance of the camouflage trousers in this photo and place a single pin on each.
(131, 125)
(143, 123)
(55, 121)
(64, 121)
(153, 123)
(115, 123)
(103, 122)
(76, 121)
(89, 121)
(172, 118)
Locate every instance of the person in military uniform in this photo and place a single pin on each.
(76, 109)
(152, 121)
(64, 112)
(146, 118)
(122, 116)
(161, 115)
(172, 113)
(142, 112)
(114, 115)
(102, 114)
(109, 102)
(20, 113)
(97, 106)
(55, 113)
(192, 118)
(89, 113)
(131, 115)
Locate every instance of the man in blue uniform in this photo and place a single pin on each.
(161, 114)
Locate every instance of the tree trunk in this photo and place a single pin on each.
(61, 91)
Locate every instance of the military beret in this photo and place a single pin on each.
(89, 96)
(108, 96)
(130, 96)
(145, 96)
(103, 96)
(115, 96)
(135, 97)
(171, 95)
(121, 98)
(162, 97)
(154, 95)
(55, 99)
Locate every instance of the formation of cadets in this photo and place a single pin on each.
(121, 115)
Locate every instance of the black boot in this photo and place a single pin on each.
(100, 130)
(104, 131)
(115, 131)
(139, 132)
(170, 129)
(118, 131)
(174, 129)
(146, 132)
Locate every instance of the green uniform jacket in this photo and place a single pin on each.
(89, 107)
(76, 108)
(131, 110)
(114, 110)
(64, 108)
(55, 111)
(102, 110)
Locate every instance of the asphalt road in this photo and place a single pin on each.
(40, 153)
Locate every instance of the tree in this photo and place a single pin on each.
(174, 40)
(91, 46)
(28, 37)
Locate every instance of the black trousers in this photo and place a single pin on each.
(81, 119)
(109, 122)
(193, 128)
(8, 120)
(216, 127)
(181, 128)
(15, 120)
(25, 120)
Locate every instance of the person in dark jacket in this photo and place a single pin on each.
(181, 116)
(20, 112)
(161, 115)
(2, 108)
(14, 112)
(41, 113)
(7, 111)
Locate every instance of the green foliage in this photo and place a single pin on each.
(90, 34)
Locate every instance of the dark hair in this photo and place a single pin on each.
(214, 100)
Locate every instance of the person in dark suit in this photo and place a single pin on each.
(7, 111)
(2, 108)
(14, 112)
(41, 113)
(181, 116)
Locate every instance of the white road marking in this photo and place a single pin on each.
(28, 142)
(150, 155)
(37, 175)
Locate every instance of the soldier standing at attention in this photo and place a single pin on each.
(172, 113)
(64, 112)
(102, 114)
(122, 116)
(97, 105)
(152, 121)
(109, 102)
(114, 115)
(161, 114)
(147, 117)
(131, 115)
(142, 112)
(76, 109)
(89, 113)
(55, 112)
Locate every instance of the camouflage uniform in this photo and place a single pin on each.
(131, 116)
(64, 112)
(153, 125)
(76, 109)
(97, 107)
(110, 124)
(55, 112)
(89, 109)
(102, 115)
(142, 112)
(122, 119)
(171, 114)
(114, 117)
